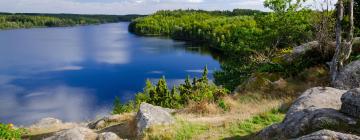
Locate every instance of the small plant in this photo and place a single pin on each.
(8, 132)
(122, 108)
(223, 105)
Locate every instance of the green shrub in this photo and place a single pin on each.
(7, 132)
(122, 108)
(198, 90)
(223, 105)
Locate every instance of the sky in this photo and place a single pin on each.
(120, 7)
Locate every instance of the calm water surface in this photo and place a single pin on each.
(74, 73)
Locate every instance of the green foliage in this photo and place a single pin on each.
(283, 5)
(199, 90)
(242, 38)
(223, 105)
(7, 132)
(256, 123)
(11, 21)
(240, 129)
(121, 108)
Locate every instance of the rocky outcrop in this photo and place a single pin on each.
(349, 77)
(351, 103)
(315, 109)
(49, 125)
(108, 136)
(103, 122)
(301, 50)
(328, 135)
(78, 133)
(316, 98)
(149, 115)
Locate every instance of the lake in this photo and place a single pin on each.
(74, 73)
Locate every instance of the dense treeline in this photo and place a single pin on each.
(28, 20)
(249, 39)
(229, 31)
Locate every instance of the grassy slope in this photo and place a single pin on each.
(236, 129)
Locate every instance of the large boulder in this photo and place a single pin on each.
(49, 125)
(78, 133)
(150, 115)
(108, 136)
(301, 50)
(351, 103)
(316, 109)
(349, 76)
(328, 135)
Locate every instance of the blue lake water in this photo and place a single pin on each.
(74, 73)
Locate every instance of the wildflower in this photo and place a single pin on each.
(11, 125)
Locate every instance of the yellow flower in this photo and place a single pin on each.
(11, 125)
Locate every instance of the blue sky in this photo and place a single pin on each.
(122, 6)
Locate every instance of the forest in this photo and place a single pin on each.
(250, 40)
(29, 20)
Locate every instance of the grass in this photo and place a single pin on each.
(184, 130)
(255, 124)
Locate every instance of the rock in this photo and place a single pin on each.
(101, 123)
(349, 76)
(149, 115)
(108, 136)
(260, 82)
(49, 125)
(315, 109)
(109, 120)
(78, 133)
(317, 97)
(328, 135)
(351, 103)
(301, 50)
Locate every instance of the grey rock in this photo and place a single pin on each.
(328, 135)
(78, 133)
(317, 97)
(351, 103)
(47, 123)
(150, 115)
(315, 109)
(108, 136)
(349, 76)
(301, 50)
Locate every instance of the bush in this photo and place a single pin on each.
(223, 105)
(198, 90)
(121, 108)
(7, 132)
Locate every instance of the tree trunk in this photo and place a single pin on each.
(350, 36)
(343, 50)
(334, 67)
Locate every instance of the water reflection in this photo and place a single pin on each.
(24, 106)
(75, 73)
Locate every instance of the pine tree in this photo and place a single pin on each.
(117, 106)
(148, 86)
(187, 84)
(204, 77)
(161, 94)
(194, 81)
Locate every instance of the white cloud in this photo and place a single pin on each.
(121, 6)
(62, 102)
